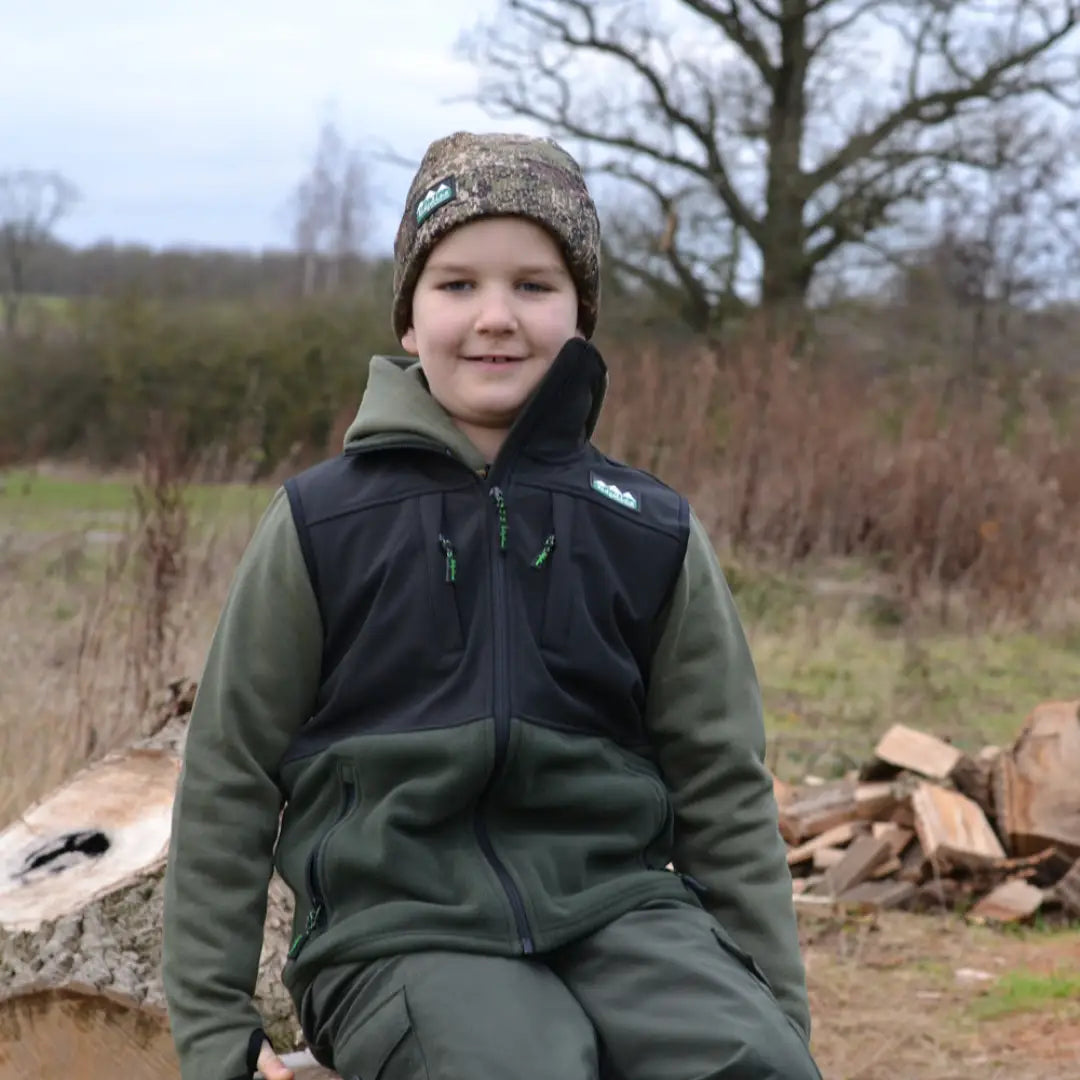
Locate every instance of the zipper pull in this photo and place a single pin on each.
(451, 559)
(500, 506)
(312, 921)
(545, 554)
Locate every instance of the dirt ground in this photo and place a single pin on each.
(927, 997)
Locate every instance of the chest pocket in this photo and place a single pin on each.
(441, 557)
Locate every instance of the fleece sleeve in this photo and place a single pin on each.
(705, 718)
(259, 685)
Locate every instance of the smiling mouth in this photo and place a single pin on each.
(495, 359)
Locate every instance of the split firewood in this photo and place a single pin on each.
(905, 748)
(837, 837)
(1036, 790)
(876, 801)
(886, 869)
(1012, 901)
(898, 837)
(952, 830)
(827, 857)
(813, 811)
(859, 862)
(879, 895)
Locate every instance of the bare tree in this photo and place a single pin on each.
(765, 137)
(32, 202)
(332, 208)
(1008, 245)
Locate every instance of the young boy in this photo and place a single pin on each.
(497, 683)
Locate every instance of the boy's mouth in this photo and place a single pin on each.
(495, 359)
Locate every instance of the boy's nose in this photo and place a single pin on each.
(496, 313)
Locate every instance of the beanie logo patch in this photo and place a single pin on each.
(437, 195)
(614, 493)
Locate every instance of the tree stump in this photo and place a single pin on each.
(81, 897)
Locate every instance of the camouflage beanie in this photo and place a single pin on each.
(466, 176)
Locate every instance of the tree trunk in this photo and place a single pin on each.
(81, 895)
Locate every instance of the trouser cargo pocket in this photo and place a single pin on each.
(381, 1045)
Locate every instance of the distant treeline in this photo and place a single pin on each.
(106, 269)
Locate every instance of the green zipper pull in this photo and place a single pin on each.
(451, 559)
(545, 554)
(312, 921)
(504, 527)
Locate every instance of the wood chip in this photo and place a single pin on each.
(860, 860)
(952, 830)
(924, 754)
(1012, 901)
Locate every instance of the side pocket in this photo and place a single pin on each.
(384, 1045)
(727, 943)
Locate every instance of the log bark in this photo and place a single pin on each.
(81, 899)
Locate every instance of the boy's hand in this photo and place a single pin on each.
(271, 1067)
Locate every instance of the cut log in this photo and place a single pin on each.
(1012, 901)
(81, 897)
(78, 1032)
(859, 862)
(906, 748)
(813, 811)
(952, 830)
(1036, 790)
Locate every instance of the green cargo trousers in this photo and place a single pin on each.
(659, 994)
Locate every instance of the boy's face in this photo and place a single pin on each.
(493, 306)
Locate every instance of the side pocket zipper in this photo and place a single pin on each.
(319, 914)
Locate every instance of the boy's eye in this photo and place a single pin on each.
(534, 286)
(455, 286)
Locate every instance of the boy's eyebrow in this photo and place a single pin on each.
(460, 268)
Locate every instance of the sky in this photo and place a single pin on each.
(189, 122)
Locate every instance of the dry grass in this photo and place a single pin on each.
(966, 495)
(79, 656)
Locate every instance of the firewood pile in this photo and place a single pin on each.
(924, 826)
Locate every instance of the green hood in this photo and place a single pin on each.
(397, 404)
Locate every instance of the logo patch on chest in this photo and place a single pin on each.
(614, 493)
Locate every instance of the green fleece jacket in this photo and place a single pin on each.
(259, 686)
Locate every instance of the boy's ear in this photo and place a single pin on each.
(408, 342)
